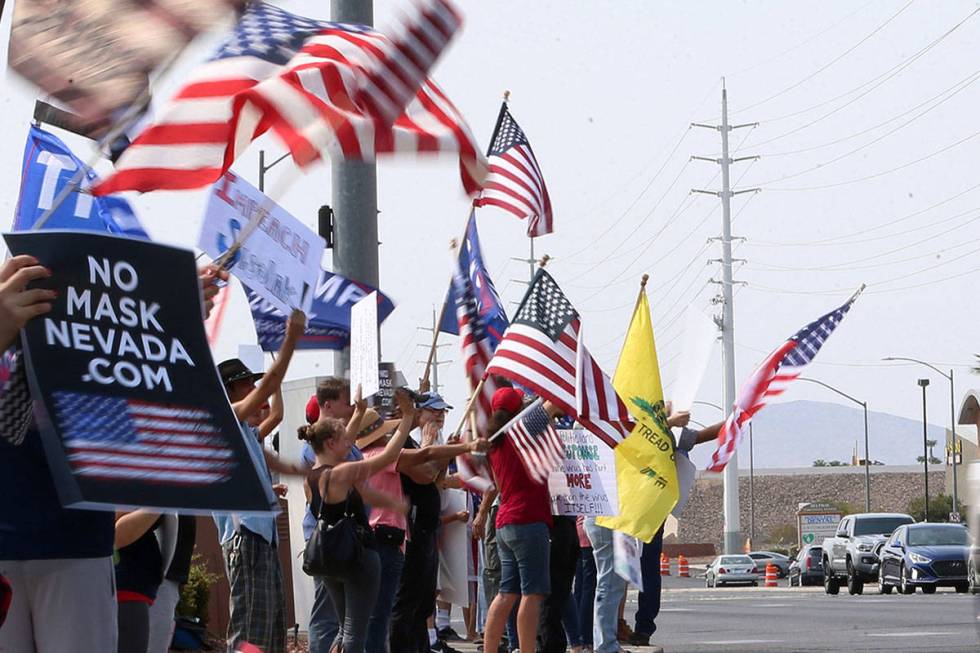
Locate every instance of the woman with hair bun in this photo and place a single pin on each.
(340, 484)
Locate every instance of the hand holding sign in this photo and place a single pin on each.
(17, 304)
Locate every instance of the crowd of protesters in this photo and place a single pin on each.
(94, 581)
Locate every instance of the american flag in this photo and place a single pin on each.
(318, 86)
(536, 440)
(771, 378)
(515, 182)
(541, 351)
(116, 438)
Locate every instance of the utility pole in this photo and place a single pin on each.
(354, 197)
(924, 383)
(434, 375)
(732, 529)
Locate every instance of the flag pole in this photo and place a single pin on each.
(469, 408)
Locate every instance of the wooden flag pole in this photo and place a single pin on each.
(469, 408)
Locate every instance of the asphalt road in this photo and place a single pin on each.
(694, 619)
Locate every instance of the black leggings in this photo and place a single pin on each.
(134, 627)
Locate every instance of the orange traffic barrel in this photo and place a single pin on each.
(683, 569)
(771, 575)
(664, 565)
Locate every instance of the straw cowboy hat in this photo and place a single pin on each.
(373, 427)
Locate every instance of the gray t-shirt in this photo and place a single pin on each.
(685, 468)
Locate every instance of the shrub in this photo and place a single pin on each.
(196, 592)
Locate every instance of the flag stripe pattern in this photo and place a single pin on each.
(515, 183)
(346, 89)
(116, 438)
(771, 378)
(540, 351)
(537, 442)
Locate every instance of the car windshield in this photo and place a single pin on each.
(879, 525)
(938, 536)
(736, 560)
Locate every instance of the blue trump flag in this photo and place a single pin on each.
(48, 166)
(328, 323)
(488, 303)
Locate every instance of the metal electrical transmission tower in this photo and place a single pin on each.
(355, 196)
(732, 530)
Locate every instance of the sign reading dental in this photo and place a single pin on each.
(280, 260)
(816, 521)
(130, 406)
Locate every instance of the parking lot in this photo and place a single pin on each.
(694, 619)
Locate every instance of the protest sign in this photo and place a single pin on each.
(384, 401)
(626, 558)
(700, 334)
(280, 260)
(129, 404)
(328, 320)
(364, 346)
(590, 472)
(48, 167)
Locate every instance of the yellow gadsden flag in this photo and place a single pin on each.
(645, 471)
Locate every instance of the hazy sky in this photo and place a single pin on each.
(869, 143)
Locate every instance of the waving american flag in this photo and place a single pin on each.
(346, 89)
(772, 376)
(537, 443)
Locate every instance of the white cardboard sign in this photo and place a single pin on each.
(281, 258)
(626, 558)
(590, 477)
(364, 346)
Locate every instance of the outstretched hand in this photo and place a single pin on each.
(209, 276)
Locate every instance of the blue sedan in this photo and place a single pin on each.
(926, 556)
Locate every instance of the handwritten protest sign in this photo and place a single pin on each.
(128, 400)
(280, 260)
(590, 472)
(364, 346)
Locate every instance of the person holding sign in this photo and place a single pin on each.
(248, 542)
(339, 488)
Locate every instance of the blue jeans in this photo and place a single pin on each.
(525, 552)
(649, 600)
(610, 589)
(392, 560)
(578, 612)
(354, 594)
(323, 619)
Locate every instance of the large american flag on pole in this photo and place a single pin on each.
(515, 183)
(345, 89)
(772, 377)
(117, 438)
(541, 351)
(536, 441)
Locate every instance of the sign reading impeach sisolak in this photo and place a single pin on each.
(130, 406)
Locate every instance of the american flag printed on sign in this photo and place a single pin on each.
(116, 438)
(772, 377)
(540, 351)
(515, 183)
(346, 89)
(537, 442)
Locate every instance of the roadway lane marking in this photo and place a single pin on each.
(914, 634)
(733, 642)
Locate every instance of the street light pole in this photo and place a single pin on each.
(924, 383)
(867, 453)
(952, 418)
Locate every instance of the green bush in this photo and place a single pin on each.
(196, 592)
(783, 534)
(940, 505)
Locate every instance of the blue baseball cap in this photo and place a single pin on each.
(432, 401)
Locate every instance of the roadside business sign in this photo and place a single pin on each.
(816, 521)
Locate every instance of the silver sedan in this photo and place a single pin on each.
(729, 569)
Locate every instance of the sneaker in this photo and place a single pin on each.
(639, 639)
(447, 634)
(443, 647)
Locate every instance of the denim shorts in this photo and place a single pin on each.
(524, 551)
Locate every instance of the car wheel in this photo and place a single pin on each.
(854, 583)
(830, 584)
(904, 586)
(928, 589)
(962, 588)
(792, 582)
(883, 587)
(755, 583)
(719, 583)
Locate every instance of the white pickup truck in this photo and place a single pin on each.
(849, 557)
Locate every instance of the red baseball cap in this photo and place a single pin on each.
(312, 410)
(508, 399)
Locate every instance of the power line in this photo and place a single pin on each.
(831, 62)
(881, 173)
(766, 267)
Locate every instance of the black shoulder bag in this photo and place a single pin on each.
(333, 548)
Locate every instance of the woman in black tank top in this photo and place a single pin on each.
(339, 489)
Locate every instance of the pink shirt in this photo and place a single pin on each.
(583, 539)
(389, 481)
